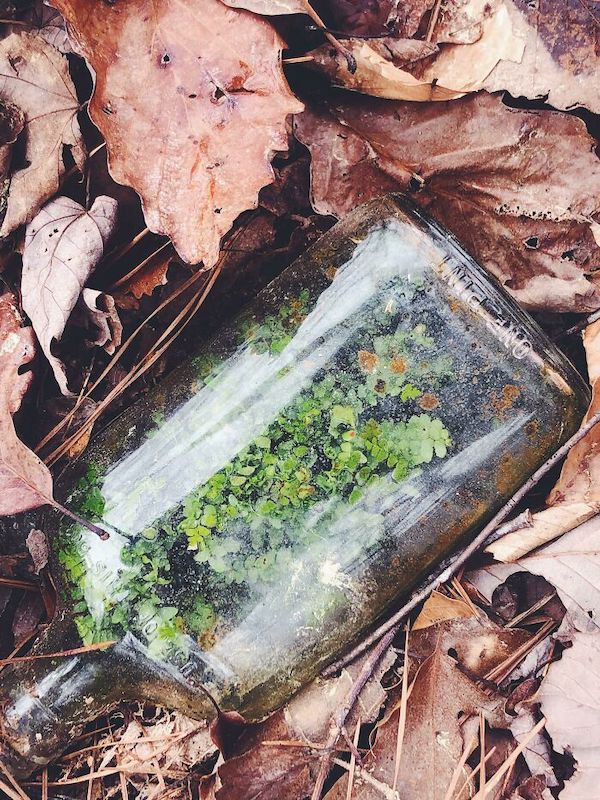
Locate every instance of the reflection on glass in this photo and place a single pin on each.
(379, 401)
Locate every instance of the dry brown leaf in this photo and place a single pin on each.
(547, 525)
(35, 77)
(580, 476)
(518, 188)
(270, 7)
(273, 771)
(37, 544)
(441, 700)
(145, 280)
(570, 700)
(561, 58)
(377, 76)
(571, 564)
(25, 482)
(101, 312)
(439, 607)
(192, 102)
(477, 643)
(63, 244)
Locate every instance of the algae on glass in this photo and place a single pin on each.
(266, 505)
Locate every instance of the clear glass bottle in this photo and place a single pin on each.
(267, 504)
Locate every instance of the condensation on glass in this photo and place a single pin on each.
(277, 494)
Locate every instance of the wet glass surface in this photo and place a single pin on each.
(274, 497)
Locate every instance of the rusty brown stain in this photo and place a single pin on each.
(367, 360)
(429, 401)
(398, 365)
(503, 402)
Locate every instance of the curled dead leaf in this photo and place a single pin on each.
(25, 482)
(63, 244)
(35, 77)
(377, 76)
(179, 88)
(270, 7)
(102, 313)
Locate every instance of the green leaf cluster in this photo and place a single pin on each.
(242, 526)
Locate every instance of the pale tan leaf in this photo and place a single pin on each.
(580, 476)
(103, 315)
(376, 76)
(63, 244)
(25, 482)
(561, 57)
(438, 608)
(192, 102)
(570, 700)
(518, 188)
(547, 525)
(271, 7)
(35, 77)
(537, 750)
(465, 67)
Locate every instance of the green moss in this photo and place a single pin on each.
(356, 423)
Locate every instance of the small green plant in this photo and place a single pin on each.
(241, 528)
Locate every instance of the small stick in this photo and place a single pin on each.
(350, 60)
(523, 520)
(457, 561)
(297, 60)
(65, 653)
(433, 20)
(340, 717)
(579, 326)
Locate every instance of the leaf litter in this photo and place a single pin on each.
(479, 697)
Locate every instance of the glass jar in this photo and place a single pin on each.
(282, 490)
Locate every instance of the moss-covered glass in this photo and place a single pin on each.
(279, 492)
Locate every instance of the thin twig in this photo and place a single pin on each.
(352, 769)
(433, 20)
(523, 520)
(402, 713)
(298, 60)
(456, 562)
(350, 60)
(339, 719)
(579, 326)
(64, 653)
(365, 776)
